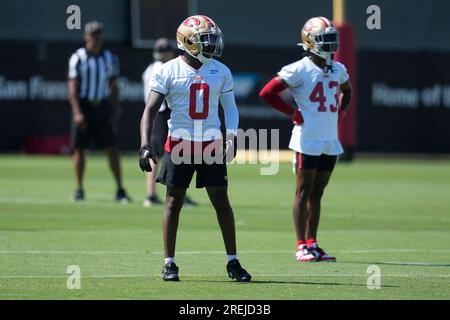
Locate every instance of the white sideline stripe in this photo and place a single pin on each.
(356, 251)
(303, 275)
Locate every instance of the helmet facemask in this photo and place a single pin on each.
(325, 44)
(210, 44)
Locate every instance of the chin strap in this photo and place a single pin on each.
(329, 68)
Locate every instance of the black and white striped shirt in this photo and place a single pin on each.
(94, 73)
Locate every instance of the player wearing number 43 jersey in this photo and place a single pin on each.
(322, 92)
(193, 84)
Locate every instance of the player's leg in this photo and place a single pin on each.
(174, 203)
(80, 137)
(215, 179)
(172, 209)
(306, 169)
(221, 203)
(219, 199)
(315, 198)
(105, 135)
(114, 164)
(79, 165)
(177, 178)
(323, 176)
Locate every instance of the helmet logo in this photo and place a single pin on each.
(191, 22)
(307, 27)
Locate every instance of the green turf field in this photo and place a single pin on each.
(394, 214)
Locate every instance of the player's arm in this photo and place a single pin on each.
(346, 89)
(271, 94)
(154, 101)
(231, 114)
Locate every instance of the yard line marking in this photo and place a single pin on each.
(302, 275)
(355, 251)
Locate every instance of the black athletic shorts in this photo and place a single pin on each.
(160, 131)
(180, 175)
(323, 162)
(99, 131)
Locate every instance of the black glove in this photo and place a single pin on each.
(145, 154)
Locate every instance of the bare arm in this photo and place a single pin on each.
(78, 116)
(73, 85)
(346, 89)
(114, 97)
(154, 101)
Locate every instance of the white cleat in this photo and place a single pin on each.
(303, 254)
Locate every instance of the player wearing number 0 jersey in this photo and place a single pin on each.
(193, 85)
(193, 97)
(322, 92)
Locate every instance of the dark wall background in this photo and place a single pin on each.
(406, 24)
(407, 58)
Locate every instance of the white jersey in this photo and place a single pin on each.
(146, 79)
(193, 97)
(317, 95)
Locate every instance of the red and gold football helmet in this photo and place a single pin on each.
(200, 37)
(320, 37)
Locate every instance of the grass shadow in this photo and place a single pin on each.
(291, 283)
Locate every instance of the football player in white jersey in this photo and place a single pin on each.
(322, 92)
(193, 84)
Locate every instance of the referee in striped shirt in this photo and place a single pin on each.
(94, 98)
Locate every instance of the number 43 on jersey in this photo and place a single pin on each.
(317, 95)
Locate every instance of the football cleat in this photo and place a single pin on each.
(304, 254)
(200, 37)
(321, 255)
(170, 272)
(79, 195)
(152, 201)
(122, 197)
(235, 271)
